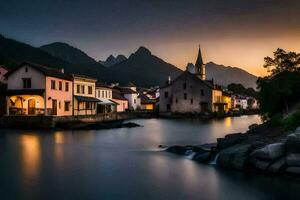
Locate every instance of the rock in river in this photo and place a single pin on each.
(270, 151)
(230, 139)
(234, 157)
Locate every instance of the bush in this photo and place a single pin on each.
(292, 121)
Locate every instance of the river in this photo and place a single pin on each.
(126, 164)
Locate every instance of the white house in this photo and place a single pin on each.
(104, 94)
(130, 93)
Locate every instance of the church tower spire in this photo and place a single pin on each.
(200, 66)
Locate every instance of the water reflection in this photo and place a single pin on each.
(117, 164)
(31, 155)
(228, 121)
(59, 137)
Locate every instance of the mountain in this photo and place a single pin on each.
(143, 69)
(13, 52)
(68, 53)
(225, 75)
(111, 60)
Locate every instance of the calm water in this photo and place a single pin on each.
(126, 164)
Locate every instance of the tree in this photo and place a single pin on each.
(279, 90)
(283, 61)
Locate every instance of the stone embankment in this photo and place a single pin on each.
(99, 121)
(262, 149)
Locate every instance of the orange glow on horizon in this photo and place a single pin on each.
(246, 52)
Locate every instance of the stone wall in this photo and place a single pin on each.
(48, 122)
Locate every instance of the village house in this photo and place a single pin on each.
(104, 94)
(3, 71)
(239, 102)
(38, 90)
(190, 92)
(85, 101)
(120, 100)
(147, 103)
(129, 91)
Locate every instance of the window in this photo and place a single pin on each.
(99, 93)
(59, 105)
(185, 96)
(202, 92)
(168, 107)
(26, 83)
(53, 84)
(60, 85)
(184, 85)
(90, 90)
(78, 89)
(192, 101)
(102, 93)
(26, 69)
(134, 101)
(67, 87)
(82, 89)
(166, 94)
(67, 105)
(176, 100)
(106, 94)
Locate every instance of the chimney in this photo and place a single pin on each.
(169, 80)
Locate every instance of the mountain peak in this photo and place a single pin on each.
(143, 50)
(67, 52)
(110, 58)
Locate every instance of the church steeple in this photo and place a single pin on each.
(200, 66)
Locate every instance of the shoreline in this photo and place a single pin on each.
(262, 149)
(82, 121)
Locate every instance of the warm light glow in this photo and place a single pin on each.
(59, 137)
(228, 121)
(31, 152)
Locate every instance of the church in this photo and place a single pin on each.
(190, 92)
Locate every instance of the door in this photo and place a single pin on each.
(54, 107)
(31, 106)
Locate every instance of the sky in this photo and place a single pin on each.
(231, 32)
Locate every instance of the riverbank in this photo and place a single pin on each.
(263, 149)
(99, 121)
(107, 120)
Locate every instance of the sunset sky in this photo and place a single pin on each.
(231, 32)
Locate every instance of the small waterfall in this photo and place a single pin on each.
(214, 161)
(190, 154)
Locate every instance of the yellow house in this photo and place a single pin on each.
(226, 98)
(85, 101)
(221, 101)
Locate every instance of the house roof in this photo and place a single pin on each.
(193, 76)
(145, 99)
(103, 85)
(83, 77)
(130, 84)
(125, 90)
(116, 94)
(86, 99)
(2, 66)
(106, 102)
(43, 69)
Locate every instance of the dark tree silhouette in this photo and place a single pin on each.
(279, 90)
